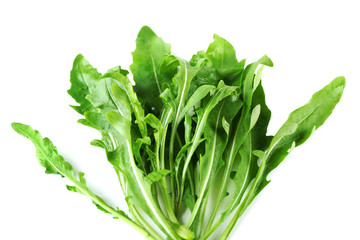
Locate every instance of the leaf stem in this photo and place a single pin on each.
(201, 215)
(210, 231)
(141, 221)
(195, 142)
(158, 214)
(163, 186)
(248, 199)
(235, 144)
(204, 187)
(167, 202)
(171, 161)
(152, 234)
(250, 196)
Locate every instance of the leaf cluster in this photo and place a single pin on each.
(187, 135)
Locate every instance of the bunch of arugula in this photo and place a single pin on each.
(180, 135)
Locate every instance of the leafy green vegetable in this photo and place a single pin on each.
(186, 129)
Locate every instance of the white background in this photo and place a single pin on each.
(314, 194)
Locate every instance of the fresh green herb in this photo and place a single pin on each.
(182, 126)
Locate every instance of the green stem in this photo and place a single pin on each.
(237, 215)
(235, 145)
(102, 204)
(210, 231)
(250, 196)
(204, 187)
(141, 221)
(146, 230)
(158, 215)
(167, 202)
(201, 216)
(163, 186)
(171, 161)
(127, 220)
(191, 182)
(195, 143)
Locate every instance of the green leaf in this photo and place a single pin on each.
(207, 74)
(83, 80)
(211, 162)
(196, 97)
(183, 80)
(153, 121)
(303, 121)
(258, 153)
(103, 98)
(109, 96)
(298, 127)
(222, 92)
(181, 155)
(125, 84)
(118, 69)
(49, 158)
(169, 69)
(247, 79)
(168, 99)
(223, 57)
(156, 176)
(226, 124)
(137, 151)
(189, 198)
(98, 143)
(254, 115)
(121, 124)
(257, 78)
(247, 142)
(256, 141)
(221, 64)
(260, 140)
(188, 127)
(243, 123)
(150, 53)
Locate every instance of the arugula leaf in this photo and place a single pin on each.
(241, 129)
(223, 57)
(150, 53)
(54, 163)
(118, 69)
(255, 141)
(248, 167)
(221, 93)
(217, 136)
(83, 80)
(301, 124)
(156, 175)
(183, 80)
(221, 64)
(295, 131)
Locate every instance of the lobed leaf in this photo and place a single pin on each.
(49, 158)
(295, 131)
